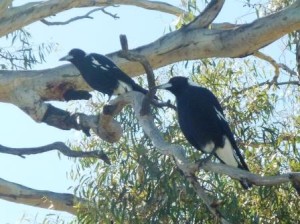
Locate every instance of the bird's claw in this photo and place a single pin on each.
(201, 162)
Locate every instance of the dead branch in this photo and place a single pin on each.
(125, 53)
(59, 146)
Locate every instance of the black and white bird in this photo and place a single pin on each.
(203, 123)
(101, 73)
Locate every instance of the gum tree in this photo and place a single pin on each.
(162, 181)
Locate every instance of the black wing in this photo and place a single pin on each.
(114, 72)
(227, 131)
(111, 68)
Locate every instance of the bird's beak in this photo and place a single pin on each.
(163, 86)
(66, 58)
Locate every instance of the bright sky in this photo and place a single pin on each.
(46, 171)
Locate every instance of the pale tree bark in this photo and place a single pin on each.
(14, 18)
(59, 146)
(38, 198)
(29, 90)
(190, 42)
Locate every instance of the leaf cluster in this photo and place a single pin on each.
(21, 52)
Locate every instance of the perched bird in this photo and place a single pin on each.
(203, 123)
(101, 73)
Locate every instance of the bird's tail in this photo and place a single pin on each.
(225, 157)
(245, 183)
(242, 165)
(138, 88)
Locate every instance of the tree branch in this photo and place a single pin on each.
(196, 43)
(60, 146)
(268, 82)
(86, 16)
(29, 90)
(207, 16)
(43, 199)
(153, 5)
(271, 61)
(125, 53)
(4, 4)
(238, 174)
(287, 69)
(18, 17)
(199, 43)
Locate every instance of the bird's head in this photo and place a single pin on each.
(175, 85)
(74, 55)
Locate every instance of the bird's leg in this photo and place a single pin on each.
(200, 162)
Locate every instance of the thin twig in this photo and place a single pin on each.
(86, 16)
(268, 83)
(60, 146)
(271, 61)
(163, 104)
(276, 65)
(287, 69)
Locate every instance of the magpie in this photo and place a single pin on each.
(101, 73)
(203, 123)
